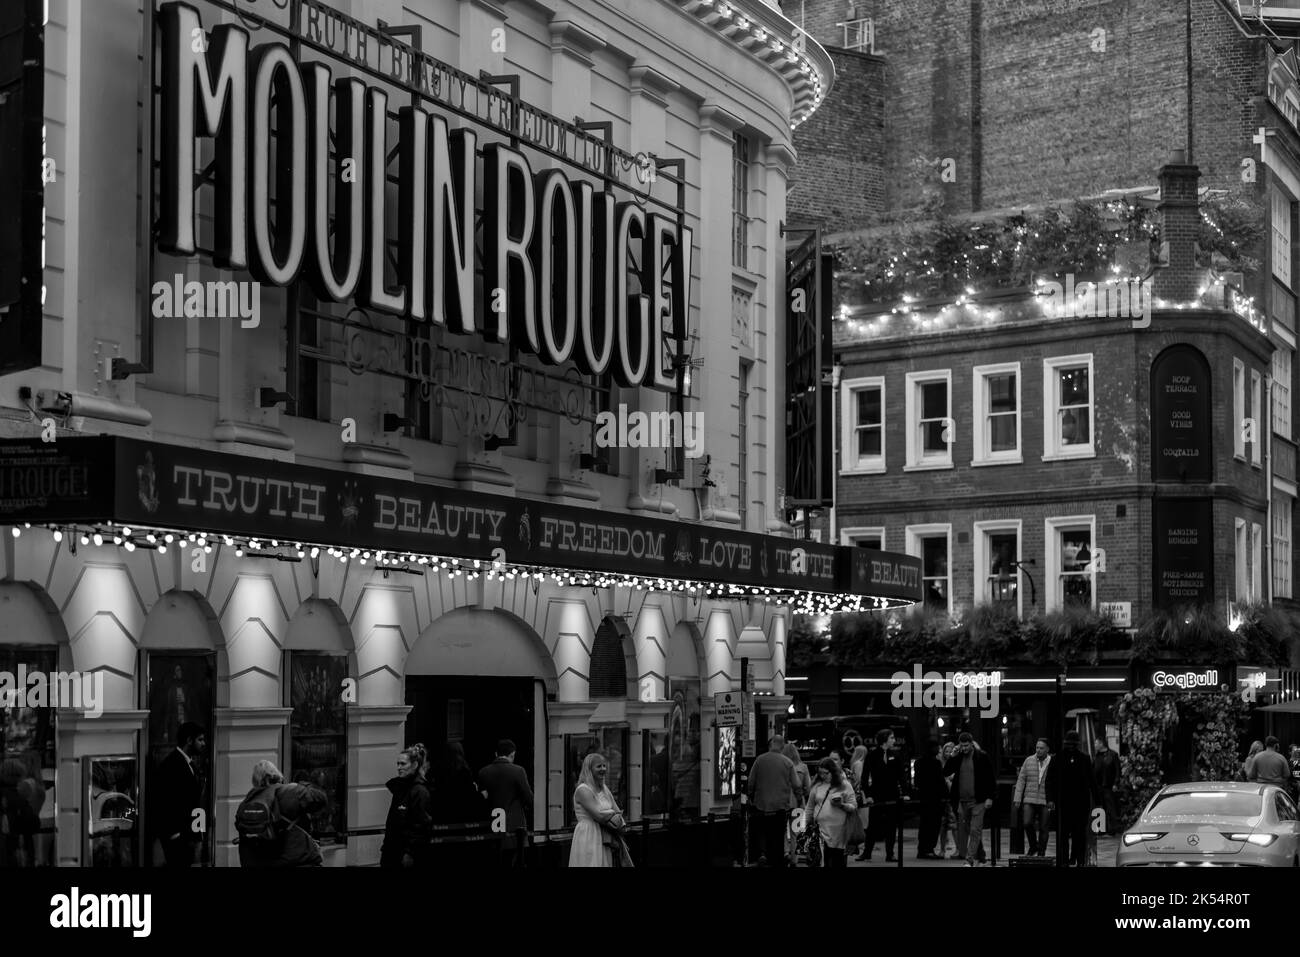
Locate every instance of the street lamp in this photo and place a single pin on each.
(1004, 578)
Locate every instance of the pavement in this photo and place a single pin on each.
(1106, 851)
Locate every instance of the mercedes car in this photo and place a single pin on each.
(1214, 824)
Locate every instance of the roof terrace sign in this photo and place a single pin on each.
(559, 264)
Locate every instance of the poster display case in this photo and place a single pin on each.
(612, 742)
(112, 810)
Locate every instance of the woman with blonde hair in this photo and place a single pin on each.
(597, 841)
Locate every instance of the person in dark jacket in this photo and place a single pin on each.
(974, 785)
(505, 786)
(176, 792)
(884, 768)
(409, 825)
(294, 803)
(456, 798)
(1072, 793)
(1105, 767)
(931, 791)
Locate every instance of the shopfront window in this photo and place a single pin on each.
(27, 768)
(318, 738)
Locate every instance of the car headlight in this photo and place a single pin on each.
(1259, 840)
(1138, 837)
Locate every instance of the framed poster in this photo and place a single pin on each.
(611, 742)
(27, 767)
(112, 811)
(724, 763)
(685, 745)
(656, 774)
(318, 735)
(181, 689)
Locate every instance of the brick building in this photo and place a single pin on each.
(998, 454)
(1038, 101)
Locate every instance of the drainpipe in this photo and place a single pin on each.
(1268, 490)
(836, 371)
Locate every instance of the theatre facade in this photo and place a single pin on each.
(299, 439)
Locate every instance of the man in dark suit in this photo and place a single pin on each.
(885, 769)
(177, 792)
(1072, 792)
(505, 786)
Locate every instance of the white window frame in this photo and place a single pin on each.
(1238, 409)
(1053, 598)
(1283, 357)
(851, 536)
(1240, 558)
(979, 414)
(1280, 221)
(980, 536)
(1256, 412)
(850, 463)
(915, 462)
(1053, 450)
(1256, 562)
(912, 537)
(1283, 509)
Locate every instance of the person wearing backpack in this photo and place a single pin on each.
(270, 821)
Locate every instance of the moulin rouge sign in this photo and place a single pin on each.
(557, 279)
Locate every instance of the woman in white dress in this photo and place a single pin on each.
(594, 805)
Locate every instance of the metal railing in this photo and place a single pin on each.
(859, 34)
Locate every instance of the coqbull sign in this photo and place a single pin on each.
(558, 275)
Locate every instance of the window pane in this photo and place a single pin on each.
(869, 441)
(1002, 392)
(1075, 428)
(1002, 433)
(1074, 386)
(932, 437)
(1076, 550)
(870, 541)
(1076, 589)
(934, 556)
(936, 594)
(1002, 552)
(868, 407)
(934, 400)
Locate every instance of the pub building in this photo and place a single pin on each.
(312, 457)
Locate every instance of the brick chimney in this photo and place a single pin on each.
(1179, 279)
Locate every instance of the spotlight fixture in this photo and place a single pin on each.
(493, 442)
(395, 423)
(267, 398)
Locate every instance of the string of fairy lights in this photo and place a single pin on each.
(971, 309)
(161, 540)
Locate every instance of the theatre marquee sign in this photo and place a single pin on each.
(146, 484)
(568, 272)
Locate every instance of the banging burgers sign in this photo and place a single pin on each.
(568, 272)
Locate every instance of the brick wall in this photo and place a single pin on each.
(1117, 479)
(839, 180)
(1055, 99)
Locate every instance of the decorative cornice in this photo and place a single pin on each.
(569, 36)
(571, 491)
(717, 119)
(647, 81)
(241, 433)
(765, 34)
(779, 154)
(490, 7)
(376, 455)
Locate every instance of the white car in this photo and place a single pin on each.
(1214, 824)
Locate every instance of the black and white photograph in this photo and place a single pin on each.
(733, 438)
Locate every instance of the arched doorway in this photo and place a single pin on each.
(475, 677)
(179, 690)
